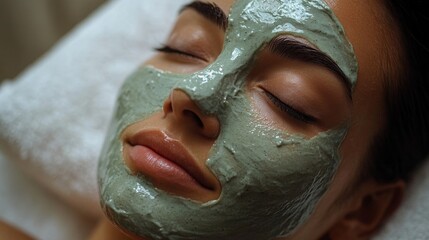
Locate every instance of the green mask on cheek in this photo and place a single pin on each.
(271, 179)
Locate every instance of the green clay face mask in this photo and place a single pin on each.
(272, 180)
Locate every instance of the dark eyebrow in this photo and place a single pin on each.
(288, 47)
(211, 11)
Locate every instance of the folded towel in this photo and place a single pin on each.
(54, 116)
(29, 206)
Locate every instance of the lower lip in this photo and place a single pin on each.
(163, 173)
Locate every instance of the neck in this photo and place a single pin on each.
(106, 230)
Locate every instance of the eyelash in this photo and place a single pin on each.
(168, 49)
(290, 110)
(281, 105)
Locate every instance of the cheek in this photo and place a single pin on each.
(269, 172)
(275, 154)
(141, 95)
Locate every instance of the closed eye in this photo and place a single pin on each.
(168, 49)
(290, 110)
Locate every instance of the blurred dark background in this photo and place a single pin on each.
(28, 28)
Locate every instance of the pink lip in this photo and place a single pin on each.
(165, 161)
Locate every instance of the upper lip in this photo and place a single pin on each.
(174, 151)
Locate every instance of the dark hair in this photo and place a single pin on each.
(403, 144)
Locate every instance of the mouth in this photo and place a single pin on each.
(169, 166)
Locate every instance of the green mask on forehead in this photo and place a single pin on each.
(271, 179)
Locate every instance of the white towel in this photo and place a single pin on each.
(54, 116)
(29, 206)
(411, 221)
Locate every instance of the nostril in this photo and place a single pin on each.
(180, 107)
(194, 117)
(167, 107)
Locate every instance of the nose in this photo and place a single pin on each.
(184, 110)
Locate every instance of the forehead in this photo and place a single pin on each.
(254, 23)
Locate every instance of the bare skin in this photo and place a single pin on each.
(372, 35)
(8, 231)
(107, 230)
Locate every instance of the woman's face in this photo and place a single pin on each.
(242, 128)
